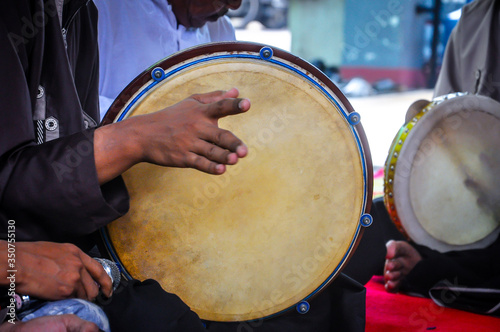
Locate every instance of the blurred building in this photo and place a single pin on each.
(374, 39)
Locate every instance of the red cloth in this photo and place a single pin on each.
(398, 312)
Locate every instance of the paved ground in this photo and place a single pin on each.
(381, 115)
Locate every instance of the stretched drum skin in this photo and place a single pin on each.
(441, 175)
(275, 228)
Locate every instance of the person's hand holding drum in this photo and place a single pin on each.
(55, 271)
(183, 135)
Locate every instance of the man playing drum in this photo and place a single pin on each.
(470, 65)
(59, 175)
(133, 36)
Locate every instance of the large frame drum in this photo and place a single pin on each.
(274, 229)
(441, 174)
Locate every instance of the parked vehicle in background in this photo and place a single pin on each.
(271, 13)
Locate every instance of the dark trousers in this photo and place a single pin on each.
(144, 306)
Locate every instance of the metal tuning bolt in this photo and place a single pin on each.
(354, 118)
(303, 307)
(158, 74)
(266, 53)
(366, 220)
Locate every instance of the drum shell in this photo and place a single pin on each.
(443, 132)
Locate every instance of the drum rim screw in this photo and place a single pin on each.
(303, 307)
(266, 53)
(354, 118)
(366, 220)
(158, 73)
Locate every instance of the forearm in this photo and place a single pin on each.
(9, 327)
(115, 150)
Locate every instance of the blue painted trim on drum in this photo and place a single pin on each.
(325, 92)
(247, 56)
(326, 282)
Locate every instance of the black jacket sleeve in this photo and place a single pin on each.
(51, 189)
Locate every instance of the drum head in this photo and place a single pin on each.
(276, 227)
(446, 181)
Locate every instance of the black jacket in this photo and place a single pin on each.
(470, 62)
(48, 99)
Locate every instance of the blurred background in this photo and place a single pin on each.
(383, 54)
